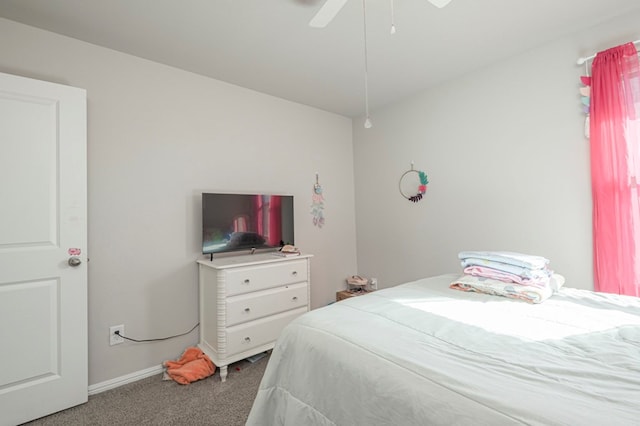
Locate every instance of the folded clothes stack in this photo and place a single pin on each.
(509, 274)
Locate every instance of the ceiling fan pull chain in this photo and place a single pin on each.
(393, 24)
(367, 122)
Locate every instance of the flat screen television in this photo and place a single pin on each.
(236, 222)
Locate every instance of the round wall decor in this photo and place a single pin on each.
(411, 179)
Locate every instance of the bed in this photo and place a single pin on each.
(422, 353)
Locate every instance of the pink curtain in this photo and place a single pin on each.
(615, 161)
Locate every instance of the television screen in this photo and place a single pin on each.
(233, 222)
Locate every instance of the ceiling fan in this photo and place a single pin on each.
(330, 9)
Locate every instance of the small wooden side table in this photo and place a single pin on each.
(345, 294)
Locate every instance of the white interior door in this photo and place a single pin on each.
(43, 299)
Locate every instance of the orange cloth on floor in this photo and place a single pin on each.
(193, 365)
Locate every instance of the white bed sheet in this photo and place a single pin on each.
(422, 353)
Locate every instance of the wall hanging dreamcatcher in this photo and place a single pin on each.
(410, 181)
(317, 204)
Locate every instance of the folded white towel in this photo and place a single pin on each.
(510, 258)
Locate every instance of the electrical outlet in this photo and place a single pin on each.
(114, 339)
(373, 284)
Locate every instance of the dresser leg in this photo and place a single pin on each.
(223, 373)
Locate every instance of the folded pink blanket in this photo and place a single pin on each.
(529, 294)
(193, 365)
(541, 280)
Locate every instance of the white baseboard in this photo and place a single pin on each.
(123, 380)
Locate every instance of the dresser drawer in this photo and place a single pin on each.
(249, 335)
(247, 279)
(251, 306)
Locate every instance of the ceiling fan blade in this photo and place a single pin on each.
(440, 3)
(327, 12)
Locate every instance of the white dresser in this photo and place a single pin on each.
(245, 301)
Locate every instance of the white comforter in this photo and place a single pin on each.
(424, 354)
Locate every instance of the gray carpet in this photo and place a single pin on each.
(153, 401)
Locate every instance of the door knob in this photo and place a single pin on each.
(74, 261)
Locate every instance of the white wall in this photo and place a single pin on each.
(507, 160)
(157, 138)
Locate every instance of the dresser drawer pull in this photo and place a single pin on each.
(247, 339)
(295, 298)
(294, 273)
(247, 281)
(247, 309)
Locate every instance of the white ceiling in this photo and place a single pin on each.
(267, 45)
